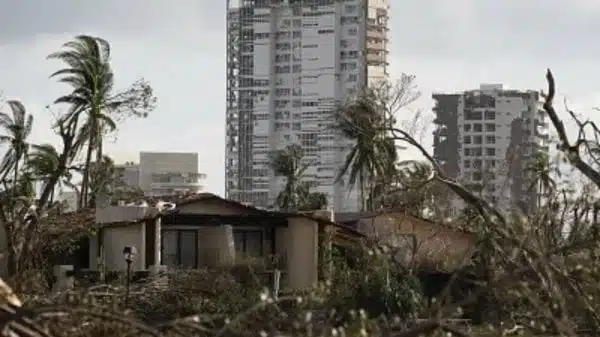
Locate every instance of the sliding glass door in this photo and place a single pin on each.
(180, 248)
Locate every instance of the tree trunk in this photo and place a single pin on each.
(99, 157)
(83, 201)
(16, 178)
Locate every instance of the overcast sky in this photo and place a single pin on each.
(179, 46)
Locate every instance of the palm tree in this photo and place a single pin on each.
(541, 171)
(43, 163)
(17, 129)
(309, 201)
(373, 154)
(103, 177)
(296, 194)
(90, 75)
(287, 163)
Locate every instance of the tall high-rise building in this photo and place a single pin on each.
(289, 64)
(486, 138)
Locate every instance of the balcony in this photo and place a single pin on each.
(176, 184)
(376, 59)
(378, 46)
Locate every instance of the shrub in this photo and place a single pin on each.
(374, 284)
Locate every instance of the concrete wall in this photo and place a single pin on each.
(116, 214)
(114, 240)
(302, 244)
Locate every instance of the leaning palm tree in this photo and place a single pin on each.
(16, 131)
(373, 153)
(90, 75)
(43, 163)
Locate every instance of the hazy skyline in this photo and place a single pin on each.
(448, 45)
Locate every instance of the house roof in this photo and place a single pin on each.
(351, 218)
(84, 220)
(440, 246)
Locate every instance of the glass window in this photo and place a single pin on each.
(188, 245)
(254, 243)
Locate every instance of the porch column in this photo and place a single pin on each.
(157, 243)
(302, 250)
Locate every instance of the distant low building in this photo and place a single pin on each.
(162, 173)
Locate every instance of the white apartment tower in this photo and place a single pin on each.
(289, 63)
(485, 139)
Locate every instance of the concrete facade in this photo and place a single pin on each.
(485, 138)
(289, 65)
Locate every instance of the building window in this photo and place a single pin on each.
(350, 8)
(477, 127)
(490, 114)
(490, 139)
(254, 242)
(467, 151)
(467, 139)
(478, 140)
(347, 66)
(180, 248)
(490, 151)
(473, 115)
(490, 127)
(467, 127)
(467, 163)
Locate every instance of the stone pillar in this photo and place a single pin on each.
(302, 250)
(157, 243)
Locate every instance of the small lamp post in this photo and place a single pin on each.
(129, 253)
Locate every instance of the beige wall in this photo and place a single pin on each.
(114, 240)
(302, 244)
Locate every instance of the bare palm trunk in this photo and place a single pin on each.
(83, 201)
(16, 178)
(99, 156)
(52, 196)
